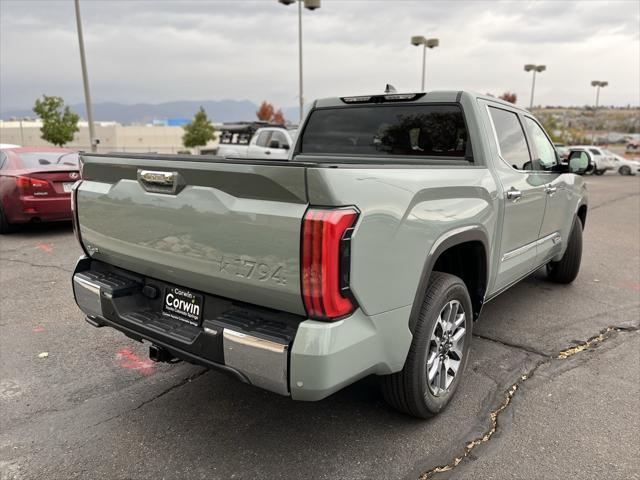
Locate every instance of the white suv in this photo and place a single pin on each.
(602, 160)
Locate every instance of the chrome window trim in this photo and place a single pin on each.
(495, 137)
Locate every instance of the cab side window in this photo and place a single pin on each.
(3, 159)
(511, 139)
(546, 152)
(280, 138)
(263, 139)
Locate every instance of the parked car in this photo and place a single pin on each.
(371, 251)
(270, 143)
(623, 165)
(601, 161)
(35, 185)
(563, 151)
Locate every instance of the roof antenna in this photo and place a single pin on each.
(390, 89)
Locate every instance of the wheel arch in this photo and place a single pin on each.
(464, 253)
(582, 214)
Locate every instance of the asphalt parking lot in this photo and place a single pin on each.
(95, 407)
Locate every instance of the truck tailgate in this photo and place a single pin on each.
(226, 228)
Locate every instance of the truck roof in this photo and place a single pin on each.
(428, 97)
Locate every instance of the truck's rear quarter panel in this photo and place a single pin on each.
(404, 212)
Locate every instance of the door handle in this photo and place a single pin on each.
(268, 152)
(513, 194)
(550, 190)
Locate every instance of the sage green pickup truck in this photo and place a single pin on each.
(371, 250)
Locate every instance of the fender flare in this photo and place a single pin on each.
(447, 240)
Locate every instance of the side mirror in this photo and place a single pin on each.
(578, 162)
(274, 144)
(285, 146)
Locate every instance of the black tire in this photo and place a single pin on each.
(566, 270)
(5, 226)
(624, 170)
(598, 172)
(408, 390)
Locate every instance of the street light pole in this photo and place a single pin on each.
(311, 5)
(536, 69)
(533, 89)
(426, 43)
(301, 94)
(85, 80)
(21, 133)
(598, 84)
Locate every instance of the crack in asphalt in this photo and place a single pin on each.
(513, 345)
(36, 265)
(182, 382)
(588, 344)
(613, 200)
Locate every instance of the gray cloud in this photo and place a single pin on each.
(143, 51)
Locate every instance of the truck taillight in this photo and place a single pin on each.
(326, 239)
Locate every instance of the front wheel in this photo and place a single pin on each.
(438, 352)
(624, 170)
(566, 270)
(598, 172)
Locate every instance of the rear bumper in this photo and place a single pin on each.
(45, 209)
(276, 351)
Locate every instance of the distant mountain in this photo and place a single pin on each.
(217, 110)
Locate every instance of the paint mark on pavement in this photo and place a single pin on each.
(127, 359)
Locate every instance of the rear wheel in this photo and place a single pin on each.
(566, 270)
(598, 172)
(438, 352)
(624, 170)
(5, 226)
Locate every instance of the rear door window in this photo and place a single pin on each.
(513, 144)
(388, 131)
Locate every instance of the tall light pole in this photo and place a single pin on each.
(536, 69)
(598, 84)
(426, 43)
(311, 5)
(85, 80)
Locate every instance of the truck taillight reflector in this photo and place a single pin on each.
(326, 235)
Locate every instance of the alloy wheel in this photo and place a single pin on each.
(446, 348)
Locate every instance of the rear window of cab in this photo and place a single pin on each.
(387, 131)
(40, 159)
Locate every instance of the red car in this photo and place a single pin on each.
(35, 185)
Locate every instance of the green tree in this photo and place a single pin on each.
(199, 131)
(59, 123)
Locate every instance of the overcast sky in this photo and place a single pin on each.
(157, 51)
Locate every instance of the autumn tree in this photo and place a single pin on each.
(59, 123)
(278, 117)
(509, 97)
(199, 131)
(265, 112)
